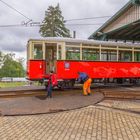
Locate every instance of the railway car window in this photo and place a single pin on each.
(28, 53)
(54, 54)
(59, 52)
(90, 54)
(72, 53)
(125, 56)
(108, 55)
(137, 56)
(112, 55)
(104, 56)
(38, 52)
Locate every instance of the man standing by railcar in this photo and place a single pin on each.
(84, 78)
(51, 83)
(50, 87)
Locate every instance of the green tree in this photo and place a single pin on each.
(1, 58)
(11, 68)
(53, 23)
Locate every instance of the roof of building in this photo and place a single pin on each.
(128, 31)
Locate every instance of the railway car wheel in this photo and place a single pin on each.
(61, 85)
(71, 83)
(119, 80)
(66, 84)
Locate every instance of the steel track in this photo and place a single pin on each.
(21, 93)
(109, 93)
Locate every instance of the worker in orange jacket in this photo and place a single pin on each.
(84, 78)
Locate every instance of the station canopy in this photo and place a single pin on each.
(124, 25)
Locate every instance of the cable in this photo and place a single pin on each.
(87, 18)
(36, 25)
(86, 24)
(14, 25)
(15, 10)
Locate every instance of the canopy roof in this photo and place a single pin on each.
(124, 25)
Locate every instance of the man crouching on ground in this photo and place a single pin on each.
(84, 78)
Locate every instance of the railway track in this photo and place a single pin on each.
(21, 93)
(123, 94)
(30, 92)
(109, 93)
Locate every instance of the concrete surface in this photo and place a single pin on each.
(89, 123)
(62, 100)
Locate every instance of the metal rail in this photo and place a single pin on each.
(134, 95)
(21, 93)
(109, 93)
(30, 92)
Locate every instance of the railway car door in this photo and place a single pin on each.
(50, 57)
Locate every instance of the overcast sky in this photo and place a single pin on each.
(15, 39)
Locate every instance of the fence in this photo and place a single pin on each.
(13, 79)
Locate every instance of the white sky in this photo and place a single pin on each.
(15, 39)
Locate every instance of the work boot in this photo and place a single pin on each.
(88, 94)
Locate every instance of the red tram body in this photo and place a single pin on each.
(99, 68)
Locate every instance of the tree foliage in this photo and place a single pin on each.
(10, 67)
(53, 23)
(1, 59)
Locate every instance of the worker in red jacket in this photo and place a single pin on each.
(51, 83)
(54, 79)
(84, 78)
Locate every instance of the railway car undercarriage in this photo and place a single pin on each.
(62, 84)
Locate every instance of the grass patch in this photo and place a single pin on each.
(12, 84)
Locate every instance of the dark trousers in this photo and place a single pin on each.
(49, 90)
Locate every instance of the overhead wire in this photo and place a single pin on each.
(15, 10)
(31, 24)
(24, 25)
(84, 24)
(36, 24)
(14, 25)
(87, 18)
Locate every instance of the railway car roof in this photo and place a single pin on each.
(86, 41)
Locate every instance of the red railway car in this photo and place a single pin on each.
(66, 56)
